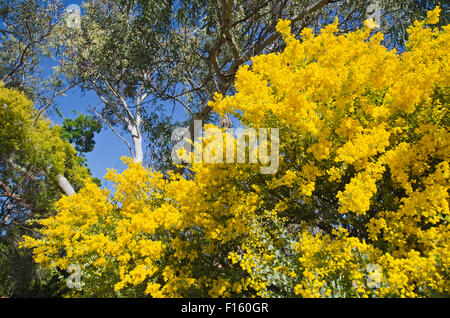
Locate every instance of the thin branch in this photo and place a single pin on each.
(251, 14)
(120, 97)
(311, 9)
(5, 32)
(43, 109)
(113, 129)
(166, 96)
(10, 194)
(21, 59)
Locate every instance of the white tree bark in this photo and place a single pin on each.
(132, 120)
(65, 185)
(135, 128)
(137, 143)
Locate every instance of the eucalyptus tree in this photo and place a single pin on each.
(26, 28)
(29, 48)
(121, 56)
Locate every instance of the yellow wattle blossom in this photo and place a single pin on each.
(371, 24)
(358, 208)
(433, 16)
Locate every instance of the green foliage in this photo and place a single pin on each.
(80, 132)
(398, 15)
(27, 30)
(32, 155)
(21, 277)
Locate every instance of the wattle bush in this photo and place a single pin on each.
(358, 208)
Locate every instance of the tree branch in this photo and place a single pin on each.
(43, 109)
(113, 129)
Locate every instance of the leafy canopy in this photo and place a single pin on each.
(32, 158)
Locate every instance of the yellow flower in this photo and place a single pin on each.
(360, 200)
(433, 16)
(370, 23)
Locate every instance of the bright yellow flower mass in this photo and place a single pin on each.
(358, 208)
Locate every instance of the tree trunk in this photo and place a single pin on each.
(137, 142)
(138, 151)
(65, 185)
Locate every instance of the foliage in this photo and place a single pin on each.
(158, 129)
(29, 42)
(80, 131)
(120, 55)
(32, 149)
(212, 39)
(22, 277)
(358, 208)
(134, 54)
(32, 156)
(398, 15)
